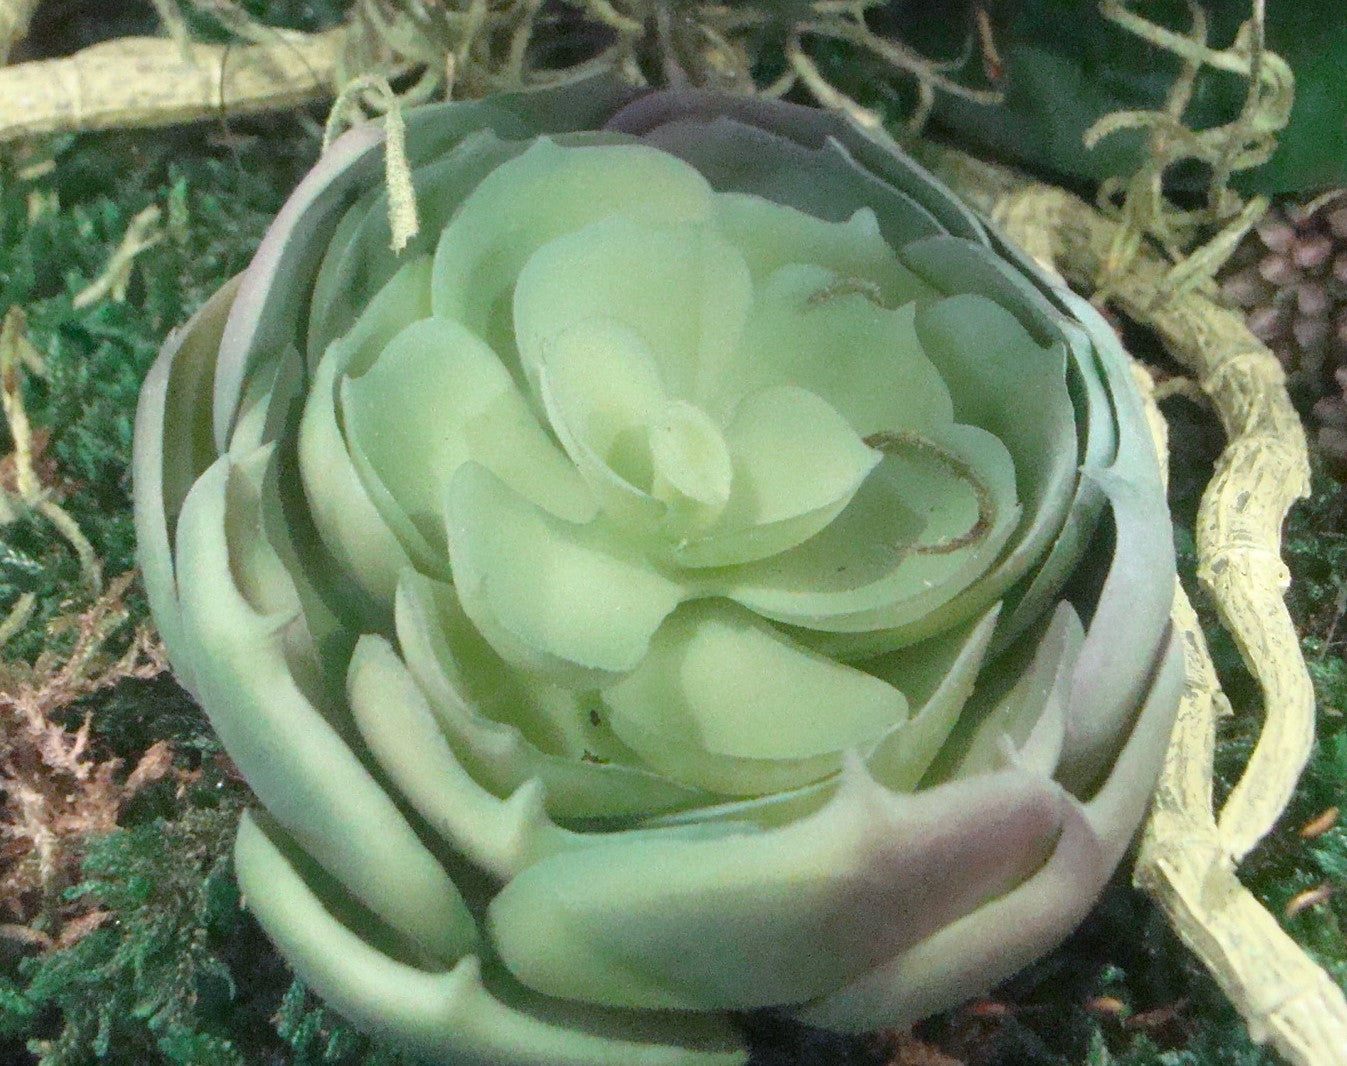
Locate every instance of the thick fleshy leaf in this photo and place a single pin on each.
(772, 236)
(548, 191)
(822, 180)
(1017, 717)
(937, 676)
(796, 464)
(601, 391)
(408, 420)
(683, 289)
(484, 708)
(544, 591)
(1134, 602)
(350, 523)
(266, 309)
(452, 1015)
(778, 916)
(673, 119)
(360, 260)
(298, 765)
(969, 956)
(498, 836)
(173, 445)
(721, 683)
(826, 332)
(853, 576)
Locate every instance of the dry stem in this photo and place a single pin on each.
(149, 81)
(28, 490)
(1188, 856)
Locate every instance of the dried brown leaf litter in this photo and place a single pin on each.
(57, 791)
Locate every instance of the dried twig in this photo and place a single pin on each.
(143, 232)
(1188, 855)
(28, 490)
(148, 81)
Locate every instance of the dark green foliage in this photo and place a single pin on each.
(149, 979)
(1065, 66)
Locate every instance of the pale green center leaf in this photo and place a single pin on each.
(543, 589)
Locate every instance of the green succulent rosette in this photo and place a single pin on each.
(706, 570)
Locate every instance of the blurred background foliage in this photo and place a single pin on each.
(122, 941)
(1064, 65)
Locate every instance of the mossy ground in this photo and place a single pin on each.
(170, 970)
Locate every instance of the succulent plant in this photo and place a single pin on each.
(706, 570)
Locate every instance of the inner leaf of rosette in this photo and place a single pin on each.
(936, 455)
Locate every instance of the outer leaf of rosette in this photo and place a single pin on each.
(1017, 714)
(771, 917)
(868, 151)
(971, 954)
(937, 675)
(479, 701)
(1128, 626)
(172, 447)
(457, 1014)
(310, 779)
(772, 235)
(820, 179)
(353, 526)
(273, 298)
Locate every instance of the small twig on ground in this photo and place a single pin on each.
(15, 18)
(142, 233)
(28, 490)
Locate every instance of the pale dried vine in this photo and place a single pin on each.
(1189, 853)
(151, 81)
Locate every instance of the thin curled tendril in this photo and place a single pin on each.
(893, 442)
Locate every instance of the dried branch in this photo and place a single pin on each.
(1188, 856)
(28, 490)
(149, 81)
